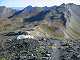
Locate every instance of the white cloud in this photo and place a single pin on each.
(24, 3)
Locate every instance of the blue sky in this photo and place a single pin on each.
(24, 3)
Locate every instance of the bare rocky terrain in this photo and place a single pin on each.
(40, 49)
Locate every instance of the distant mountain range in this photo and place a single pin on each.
(30, 13)
(17, 18)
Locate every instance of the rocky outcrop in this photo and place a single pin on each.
(73, 21)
